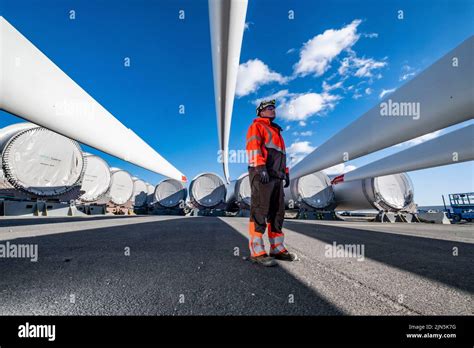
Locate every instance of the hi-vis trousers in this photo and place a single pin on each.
(267, 209)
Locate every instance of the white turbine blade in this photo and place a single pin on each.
(450, 148)
(444, 88)
(227, 22)
(35, 89)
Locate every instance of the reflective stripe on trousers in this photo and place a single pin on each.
(256, 245)
(276, 241)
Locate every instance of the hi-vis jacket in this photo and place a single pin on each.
(265, 147)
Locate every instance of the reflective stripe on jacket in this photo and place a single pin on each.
(265, 146)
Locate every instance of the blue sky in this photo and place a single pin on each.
(368, 48)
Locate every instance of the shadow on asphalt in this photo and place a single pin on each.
(187, 259)
(426, 257)
(39, 220)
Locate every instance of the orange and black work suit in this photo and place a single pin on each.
(266, 150)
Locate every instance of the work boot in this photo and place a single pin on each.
(264, 260)
(285, 256)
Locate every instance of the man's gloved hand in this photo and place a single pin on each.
(264, 177)
(287, 180)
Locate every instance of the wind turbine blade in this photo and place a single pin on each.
(35, 89)
(227, 23)
(444, 93)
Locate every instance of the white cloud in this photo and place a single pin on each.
(339, 169)
(365, 66)
(297, 151)
(406, 76)
(360, 67)
(368, 91)
(356, 95)
(407, 72)
(327, 87)
(386, 91)
(421, 139)
(278, 96)
(344, 66)
(253, 74)
(291, 50)
(299, 107)
(300, 147)
(318, 52)
(247, 25)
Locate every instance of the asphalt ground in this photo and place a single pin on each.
(173, 265)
